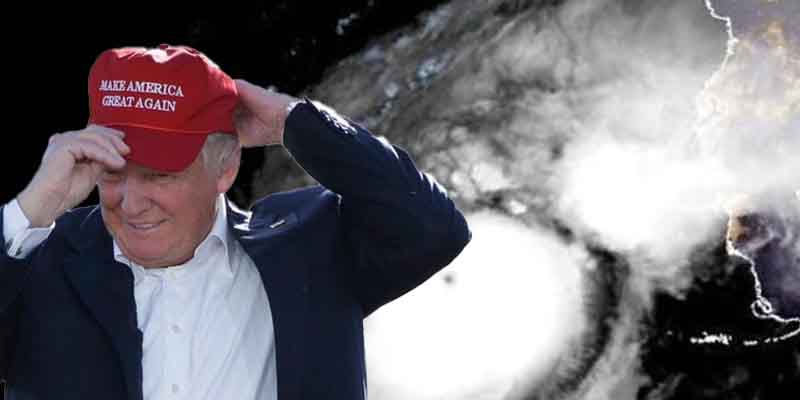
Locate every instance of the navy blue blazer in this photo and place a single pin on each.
(375, 229)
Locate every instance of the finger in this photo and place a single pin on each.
(243, 86)
(249, 94)
(116, 137)
(120, 145)
(91, 151)
(105, 129)
(90, 130)
(110, 142)
(84, 150)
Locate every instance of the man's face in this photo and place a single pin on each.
(159, 218)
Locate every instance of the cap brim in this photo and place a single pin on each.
(160, 150)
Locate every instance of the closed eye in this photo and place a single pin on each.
(160, 176)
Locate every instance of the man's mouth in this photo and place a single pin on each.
(145, 227)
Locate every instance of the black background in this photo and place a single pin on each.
(286, 44)
(48, 50)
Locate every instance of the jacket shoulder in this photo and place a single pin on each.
(297, 200)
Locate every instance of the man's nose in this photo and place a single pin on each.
(134, 198)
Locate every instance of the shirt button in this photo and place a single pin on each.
(175, 388)
(176, 328)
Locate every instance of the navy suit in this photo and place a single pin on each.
(374, 230)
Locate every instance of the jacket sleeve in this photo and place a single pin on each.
(13, 274)
(399, 224)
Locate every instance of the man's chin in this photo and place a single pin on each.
(144, 255)
(147, 261)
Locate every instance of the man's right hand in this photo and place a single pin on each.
(69, 170)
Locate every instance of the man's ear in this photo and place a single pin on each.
(229, 170)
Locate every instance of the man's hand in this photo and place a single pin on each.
(69, 170)
(261, 115)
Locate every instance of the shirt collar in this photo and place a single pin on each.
(217, 236)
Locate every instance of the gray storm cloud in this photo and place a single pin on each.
(620, 121)
(648, 175)
(750, 108)
(750, 120)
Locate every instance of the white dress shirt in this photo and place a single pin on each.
(206, 324)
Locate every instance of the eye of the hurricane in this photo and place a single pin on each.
(489, 325)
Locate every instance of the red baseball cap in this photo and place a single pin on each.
(167, 100)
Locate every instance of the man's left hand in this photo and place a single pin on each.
(261, 115)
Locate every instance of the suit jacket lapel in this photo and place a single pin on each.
(269, 240)
(106, 288)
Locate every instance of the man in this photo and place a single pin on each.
(165, 289)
